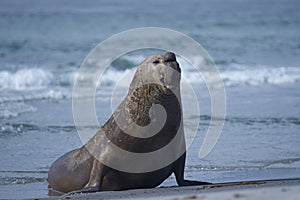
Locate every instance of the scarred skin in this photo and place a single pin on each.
(81, 169)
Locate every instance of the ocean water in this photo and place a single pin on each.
(255, 45)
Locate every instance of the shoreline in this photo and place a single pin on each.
(260, 189)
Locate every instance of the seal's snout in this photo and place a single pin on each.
(169, 57)
(170, 60)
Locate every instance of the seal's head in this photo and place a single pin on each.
(156, 81)
(158, 69)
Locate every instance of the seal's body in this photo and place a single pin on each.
(156, 81)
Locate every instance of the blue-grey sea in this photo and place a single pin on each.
(254, 43)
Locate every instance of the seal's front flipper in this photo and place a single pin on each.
(179, 174)
(191, 183)
(96, 176)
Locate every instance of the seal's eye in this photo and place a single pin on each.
(155, 62)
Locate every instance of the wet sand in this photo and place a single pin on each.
(263, 189)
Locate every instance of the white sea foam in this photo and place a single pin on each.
(261, 76)
(241, 74)
(25, 79)
(38, 83)
(15, 109)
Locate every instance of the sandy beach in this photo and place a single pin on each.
(263, 189)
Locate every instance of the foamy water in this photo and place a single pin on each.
(36, 79)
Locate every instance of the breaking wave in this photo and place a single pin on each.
(39, 83)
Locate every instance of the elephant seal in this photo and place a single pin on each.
(156, 82)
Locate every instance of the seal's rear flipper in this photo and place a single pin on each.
(52, 192)
(84, 190)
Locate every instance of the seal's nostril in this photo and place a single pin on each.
(169, 57)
